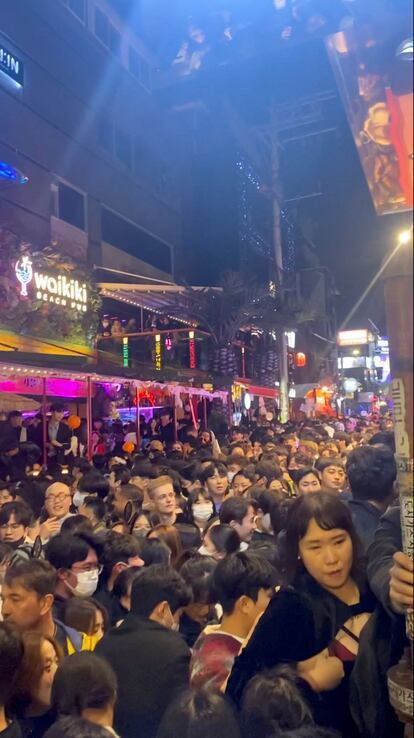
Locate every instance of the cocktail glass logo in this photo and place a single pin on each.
(24, 273)
(59, 290)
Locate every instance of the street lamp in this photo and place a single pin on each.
(405, 237)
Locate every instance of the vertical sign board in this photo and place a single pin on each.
(158, 357)
(192, 347)
(11, 66)
(125, 352)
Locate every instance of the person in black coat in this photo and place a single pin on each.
(150, 661)
(58, 436)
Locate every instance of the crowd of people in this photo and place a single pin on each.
(252, 586)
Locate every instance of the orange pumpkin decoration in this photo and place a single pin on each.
(74, 422)
(128, 447)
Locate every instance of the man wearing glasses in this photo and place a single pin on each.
(76, 560)
(58, 501)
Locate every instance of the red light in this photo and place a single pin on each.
(300, 360)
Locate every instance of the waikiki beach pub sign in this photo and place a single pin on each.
(57, 289)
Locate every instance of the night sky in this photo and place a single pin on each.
(350, 238)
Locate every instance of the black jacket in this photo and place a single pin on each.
(366, 517)
(152, 667)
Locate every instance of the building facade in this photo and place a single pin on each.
(79, 120)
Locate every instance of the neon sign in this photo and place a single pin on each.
(125, 351)
(158, 357)
(59, 290)
(192, 348)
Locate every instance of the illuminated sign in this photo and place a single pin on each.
(11, 66)
(192, 348)
(125, 352)
(158, 357)
(58, 290)
(354, 338)
(291, 339)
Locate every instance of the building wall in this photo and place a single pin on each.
(86, 117)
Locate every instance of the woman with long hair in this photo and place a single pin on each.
(31, 701)
(315, 621)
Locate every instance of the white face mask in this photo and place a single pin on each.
(87, 583)
(267, 525)
(79, 497)
(230, 476)
(203, 512)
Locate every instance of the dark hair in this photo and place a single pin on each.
(240, 574)
(171, 537)
(268, 550)
(248, 472)
(301, 473)
(99, 461)
(8, 486)
(57, 407)
(383, 438)
(82, 464)
(155, 551)
(94, 484)
(20, 510)
(272, 702)
(193, 497)
(118, 548)
(268, 470)
(157, 584)
(63, 550)
(35, 575)
(31, 670)
(96, 505)
(210, 471)
(79, 613)
(123, 582)
(267, 498)
(76, 524)
(224, 538)
(71, 727)
(329, 512)
(32, 494)
(197, 572)
(11, 657)
(234, 508)
(14, 414)
(201, 714)
(321, 464)
(372, 471)
(279, 515)
(84, 680)
(131, 492)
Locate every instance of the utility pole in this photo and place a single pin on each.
(398, 291)
(278, 251)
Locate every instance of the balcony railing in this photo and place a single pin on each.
(180, 353)
(170, 354)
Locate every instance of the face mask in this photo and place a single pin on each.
(203, 512)
(230, 476)
(267, 525)
(87, 584)
(203, 551)
(79, 497)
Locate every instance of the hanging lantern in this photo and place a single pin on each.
(168, 343)
(300, 360)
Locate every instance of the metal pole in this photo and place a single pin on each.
(44, 406)
(138, 427)
(399, 312)
(89, 418)
(278, 251)
(205, 412)
(175, 419)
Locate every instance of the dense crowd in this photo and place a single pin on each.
(251, 585)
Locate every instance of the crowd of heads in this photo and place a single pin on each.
(191, 535)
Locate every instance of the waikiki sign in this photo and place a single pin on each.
(58, 290)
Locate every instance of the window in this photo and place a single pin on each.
(131, 239)
(106, 32)
(71, 206)
(123, 148)
(139, 68)
(78, 8)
